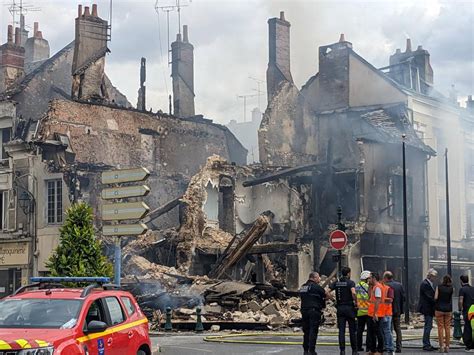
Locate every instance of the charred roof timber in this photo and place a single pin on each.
(278, 54)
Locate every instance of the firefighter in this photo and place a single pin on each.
(346, 305)
(313, 301)
(362, 293)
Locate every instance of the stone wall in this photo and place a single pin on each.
(172, 149)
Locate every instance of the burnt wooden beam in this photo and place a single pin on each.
(273, 248)
(162, 210)
(283, 173)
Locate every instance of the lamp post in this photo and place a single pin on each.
(448, 222)
(405, 235)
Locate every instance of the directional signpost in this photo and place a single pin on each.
(122, 211)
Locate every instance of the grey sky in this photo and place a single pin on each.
(230, 41)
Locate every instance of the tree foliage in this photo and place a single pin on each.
(79, 252)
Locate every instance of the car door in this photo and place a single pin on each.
(117, 319)
(93, 343)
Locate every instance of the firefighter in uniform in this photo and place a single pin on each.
(362, 293)
(313, 300)
(346, 305)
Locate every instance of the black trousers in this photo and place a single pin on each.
(310, 318)
(374, 336)
(362, 322)
(398, 331)
(347, 314)
(467, 333)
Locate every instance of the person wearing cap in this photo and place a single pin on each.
(426, 307)
(362, 293)
(397, 307)
(313, 300)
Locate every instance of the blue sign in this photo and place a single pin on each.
(100, 346)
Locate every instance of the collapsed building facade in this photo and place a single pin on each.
(63, 123)
(352, 118)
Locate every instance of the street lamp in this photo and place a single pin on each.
(405, 235)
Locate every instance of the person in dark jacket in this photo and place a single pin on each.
(443, 312)
(397, 307)
(313, 301)
(426, 307)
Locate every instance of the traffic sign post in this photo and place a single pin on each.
(338, 240)
(121, 211)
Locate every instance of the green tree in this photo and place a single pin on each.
(79, 252)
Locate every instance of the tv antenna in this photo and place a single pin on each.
(245, 97)
(169, 6)
(18, 7)
(259, 92)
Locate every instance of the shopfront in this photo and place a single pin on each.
(14, 261)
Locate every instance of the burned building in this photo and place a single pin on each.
(351, 119)
(63, 123)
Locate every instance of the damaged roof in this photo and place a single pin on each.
(387, 125)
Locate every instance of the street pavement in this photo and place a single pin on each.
(193, 344)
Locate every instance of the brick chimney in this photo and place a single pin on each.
(89, 56)
(36, 47)
(412, 69)
(141, 104)
(334, 74)
(182, 72)
(278, 70)
(12, 61)
(23, 31)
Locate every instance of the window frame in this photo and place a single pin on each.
(58, 203)
(107, 310)
(126, 299)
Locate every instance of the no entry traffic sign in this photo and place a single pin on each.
(338, 239)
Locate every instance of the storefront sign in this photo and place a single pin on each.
(13, 253)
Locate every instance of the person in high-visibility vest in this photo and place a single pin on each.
(386, 321)
(362, 293)
(376, 312)
(470, 317)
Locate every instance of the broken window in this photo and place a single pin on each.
(6, 137)
(395, 196)
(54, 193)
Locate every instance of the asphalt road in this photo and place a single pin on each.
(190, 344)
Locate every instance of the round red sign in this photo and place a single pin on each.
(338, 239)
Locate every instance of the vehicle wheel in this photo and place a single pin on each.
(141, 352)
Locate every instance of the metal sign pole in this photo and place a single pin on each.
(117, 261)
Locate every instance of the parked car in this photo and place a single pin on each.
(46, 317)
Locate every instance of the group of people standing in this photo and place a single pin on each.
(376, 304)
(436, 302)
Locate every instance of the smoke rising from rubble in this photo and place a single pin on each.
(376, 29)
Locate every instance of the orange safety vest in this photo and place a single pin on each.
(387, 304)
(372, 299)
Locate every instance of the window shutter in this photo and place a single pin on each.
(9, 197)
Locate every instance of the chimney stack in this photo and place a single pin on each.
(12, 62)
(182, 72)
(23, 31)
(36, 48)
(278, 69)
(90, 48)
(79, 10)
(10, 34)
(17, 37)
(141, 104)
(412, 69)
(185, 34)
(342, 38)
